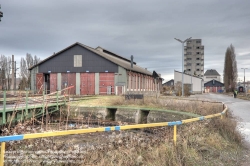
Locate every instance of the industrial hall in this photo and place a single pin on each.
(92, 71)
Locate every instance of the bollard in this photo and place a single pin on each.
(175, 128)
(2, 153)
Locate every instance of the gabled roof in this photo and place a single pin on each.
(188, 74)
(211, 72)
(213, 83)
(117, 59)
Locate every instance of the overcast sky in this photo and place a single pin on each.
(143, 28)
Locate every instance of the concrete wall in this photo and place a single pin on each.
(97, 78)
(197, 83)
(59, 82)
(78, 83)
(136, 116)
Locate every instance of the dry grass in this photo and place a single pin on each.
(208, 142)
(211, 142)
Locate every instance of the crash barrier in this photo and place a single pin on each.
(134, 96)
(103, 129)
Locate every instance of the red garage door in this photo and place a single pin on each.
(87, 83)
(39, 83)
(69, 79)
(106, 83)
(53, 82)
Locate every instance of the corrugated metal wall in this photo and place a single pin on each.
(87, 83)
(91, 62)
(106, 80)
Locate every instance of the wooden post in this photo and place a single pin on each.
(26, 102)
(4, 107)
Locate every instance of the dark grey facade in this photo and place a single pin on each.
(64, 61)
(213, 83)
(169, 83)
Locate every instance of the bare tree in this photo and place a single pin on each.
(25, 64)
(230, 69)
(5, 71)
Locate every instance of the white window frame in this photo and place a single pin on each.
(77, 60)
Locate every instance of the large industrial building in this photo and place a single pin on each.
(194, 57)
(92, 71)
(195, 83)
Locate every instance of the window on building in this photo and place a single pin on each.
(197, 69)
(198, 41)
(189, 53)
(197, 58)
(188, 69)
(197, 47)
(197, 64)
(189, 47)
(197, 52)
(77, 60)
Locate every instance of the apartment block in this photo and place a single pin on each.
(194, 57)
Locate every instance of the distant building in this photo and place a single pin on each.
(195, 83)
(211, 74)
(214, 86)
(92, 71)
(169, 83)
(194, 58)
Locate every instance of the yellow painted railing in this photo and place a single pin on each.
(102, 129)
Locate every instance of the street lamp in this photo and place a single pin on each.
(182, 60)
(1, 14)
(244, 80)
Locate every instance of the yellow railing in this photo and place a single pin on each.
(102, 129)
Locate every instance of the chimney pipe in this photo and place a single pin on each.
(132, 58)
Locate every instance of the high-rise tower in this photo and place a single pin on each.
(194, 58)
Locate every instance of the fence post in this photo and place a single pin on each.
(175, 128)
(4, 107)
(26, 102)
(2, 153)
(43, 102)
(56, 100)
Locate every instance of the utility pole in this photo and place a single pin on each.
(13, 73)
(244, 80)
(182, 42)
(1, 14)
(15, 78)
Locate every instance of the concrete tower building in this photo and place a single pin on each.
(194, 58)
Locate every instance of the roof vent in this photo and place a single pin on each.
(99, 49)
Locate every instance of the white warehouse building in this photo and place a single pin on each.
(195, 82)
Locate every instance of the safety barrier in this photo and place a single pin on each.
(103, 129)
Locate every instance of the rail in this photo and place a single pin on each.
(25, 103)
(103, 129)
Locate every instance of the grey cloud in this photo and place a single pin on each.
(145, 29)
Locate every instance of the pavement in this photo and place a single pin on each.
(240, 109)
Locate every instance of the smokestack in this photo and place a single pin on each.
(132, 58)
